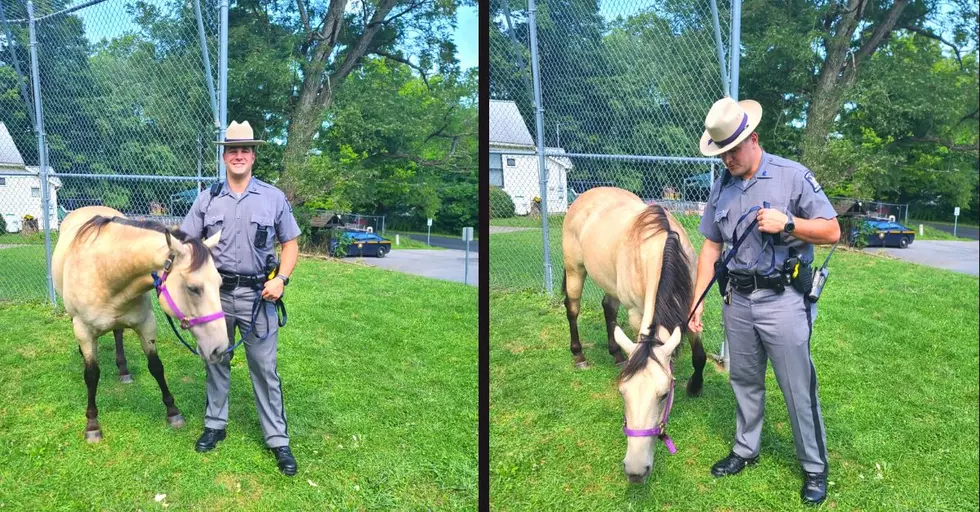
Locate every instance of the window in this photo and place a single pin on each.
(511, 162)
(35, 191)
(3, 182)
(496, 171)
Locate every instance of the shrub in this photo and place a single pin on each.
(3, 226)
(501, 205)
(859, 239)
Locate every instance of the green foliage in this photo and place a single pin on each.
(501, 204)
(859, 239)
(3, 226)
(343, 243)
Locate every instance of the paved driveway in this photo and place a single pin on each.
(447, 264)
(957, 256)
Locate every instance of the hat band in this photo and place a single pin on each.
(738, 131)
(237, 140)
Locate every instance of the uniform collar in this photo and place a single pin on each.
(253, 187)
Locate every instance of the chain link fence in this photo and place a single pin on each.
(624, 87)
(126, 113)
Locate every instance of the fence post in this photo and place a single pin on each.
(539, 128)
(223, 84)
(736, 43)
(207, 60)
(718, 46)
(42, 152)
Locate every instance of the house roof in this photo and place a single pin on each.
(560, 160)
(507, 126)
(9, 155)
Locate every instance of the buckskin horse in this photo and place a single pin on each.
(641, 257)
(103, 267)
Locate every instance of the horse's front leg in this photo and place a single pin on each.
(610, 308)
(124, 374)
(87, 347)
(147, 334)
(698, 359)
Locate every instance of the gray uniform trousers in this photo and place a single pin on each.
(779, 326)
(261, 357)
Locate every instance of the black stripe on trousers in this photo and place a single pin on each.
(813, 389)
(275, 368)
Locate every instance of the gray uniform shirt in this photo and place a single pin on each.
(789, 187)
(239, 219)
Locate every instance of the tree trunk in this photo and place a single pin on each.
(837, 77)
(318, 87)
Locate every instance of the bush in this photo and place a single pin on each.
(847, 226)
(3, 226)
(501, 205)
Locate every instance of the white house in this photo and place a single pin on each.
(20, 187)
(517, 174)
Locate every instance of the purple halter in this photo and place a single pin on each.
(659, 431)
(185, 323)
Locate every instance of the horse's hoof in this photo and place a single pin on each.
(93, 436)
(126, 379)
(694, 391)
(176, 421)
(583, 365)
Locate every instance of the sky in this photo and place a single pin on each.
(467, 37)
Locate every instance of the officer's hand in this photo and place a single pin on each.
(695, 324)
(273, 289)
(771, 220)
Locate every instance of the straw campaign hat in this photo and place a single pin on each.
(728, 123)
(240, 134)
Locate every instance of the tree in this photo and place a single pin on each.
(333, 42)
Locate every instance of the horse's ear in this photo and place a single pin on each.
(670, 340)
(213, 240)
(623, 341)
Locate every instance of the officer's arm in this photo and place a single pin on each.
(290, 253)
(814, 218)
(710, 252)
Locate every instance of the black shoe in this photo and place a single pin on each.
(287, 463)
(731, 465)
(814, 489)
(209, 439)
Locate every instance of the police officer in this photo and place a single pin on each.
(251, 215)
(766, 317)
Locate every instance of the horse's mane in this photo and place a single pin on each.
(675, 291)
(199, 251)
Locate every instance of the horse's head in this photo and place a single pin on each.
(193, 284)
(646, 386)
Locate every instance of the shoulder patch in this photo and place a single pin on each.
(813, 181)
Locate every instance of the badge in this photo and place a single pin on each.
(813, 181)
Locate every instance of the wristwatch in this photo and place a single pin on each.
(790, 225)
(285, 279)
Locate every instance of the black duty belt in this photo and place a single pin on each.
(748, 283)
(231, 280)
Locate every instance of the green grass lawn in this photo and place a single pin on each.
(409, 243)
(382, 406)
(963, 221)
(20, 239)
(931, 233)
(528, 221)
(895, 348)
